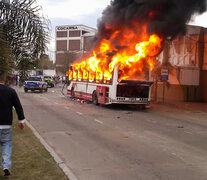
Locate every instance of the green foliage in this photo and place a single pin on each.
(6, 58)
(25, 31)
(45, 62)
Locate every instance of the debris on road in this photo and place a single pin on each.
(180, 127)
(82, 101)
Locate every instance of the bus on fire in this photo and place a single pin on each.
(109, 91)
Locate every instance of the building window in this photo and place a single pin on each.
(74, 34)
(74, 45)
(61, 45)
(61, 34)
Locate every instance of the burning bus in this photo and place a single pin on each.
(130, 35)
(122, 78)
(110, 91)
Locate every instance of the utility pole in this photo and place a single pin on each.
(200, 61)
(164, 69)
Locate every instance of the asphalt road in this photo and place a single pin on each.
(120, 143)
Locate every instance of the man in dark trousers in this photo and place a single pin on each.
(8, 100)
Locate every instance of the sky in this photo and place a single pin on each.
(71, 12)
(87, 12)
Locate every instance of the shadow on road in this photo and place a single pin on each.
(115, 107)
(121, 107)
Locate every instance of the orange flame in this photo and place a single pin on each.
(132, 61)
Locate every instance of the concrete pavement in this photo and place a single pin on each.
(189, 106)
(119, 142)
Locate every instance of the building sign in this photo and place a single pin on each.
(164, 74)
(60, 28)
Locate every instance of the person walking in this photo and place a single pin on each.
(8, 100)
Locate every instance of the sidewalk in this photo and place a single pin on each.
(187, 106)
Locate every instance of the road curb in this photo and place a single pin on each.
(57, 159)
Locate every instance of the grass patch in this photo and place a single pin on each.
(30, 160)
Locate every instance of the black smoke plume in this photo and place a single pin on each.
(167, 18)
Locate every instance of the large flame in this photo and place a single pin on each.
(132, 57)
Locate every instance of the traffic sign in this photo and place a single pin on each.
(164, 74)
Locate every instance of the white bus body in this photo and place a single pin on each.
(123, 92)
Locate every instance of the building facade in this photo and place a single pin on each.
(71, 41)
(187, 56)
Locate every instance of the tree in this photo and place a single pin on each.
(25, 31)
(6, 58)
(156, 73)
(45, 62)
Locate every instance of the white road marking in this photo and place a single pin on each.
(98, 121)
(188, 132)
(79, 113)
(152, 121)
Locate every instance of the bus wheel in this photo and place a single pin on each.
(95, 98)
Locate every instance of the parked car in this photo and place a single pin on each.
(49, 81)
(35, 83)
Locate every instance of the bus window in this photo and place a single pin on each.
(85, 75)
(80, 75)
(99, 77)
(91, 76)
(75, 75)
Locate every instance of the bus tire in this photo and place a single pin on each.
(95, 98)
